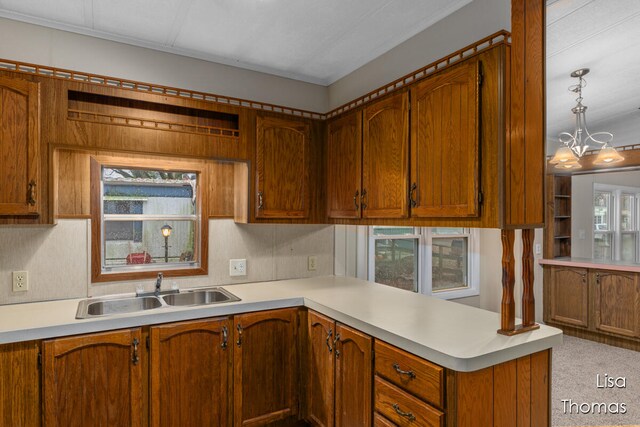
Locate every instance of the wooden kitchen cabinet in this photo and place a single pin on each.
(95, 379)
(190, 373)
(19, 147)
(385, 158)
(569, 296)
(20, 384)
(617, 302)
(266, 371)
(344, 166)
(339, 386)
(445, 143)
(282, 168)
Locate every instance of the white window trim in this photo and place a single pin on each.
(425, 248)
(615, 220)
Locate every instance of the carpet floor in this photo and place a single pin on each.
(580, 369)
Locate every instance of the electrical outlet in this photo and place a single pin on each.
(20, 281)
(538, 249)
(312, 263)
(237, 267)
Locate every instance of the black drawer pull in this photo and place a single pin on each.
(407, 415)
(410, 374)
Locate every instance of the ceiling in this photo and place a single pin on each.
(313, 41)
(603, 35)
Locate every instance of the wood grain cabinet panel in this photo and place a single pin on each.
(321, 374)
(282, 168)
(266, 370)
(20, 385)
(344, 166)
(411, 373)
(190, 373)
(353, 353)
(94, 379)
(617, 302)
(19, 145)
(385, 158)
(445, 144)
(403, 409)
(569, 296)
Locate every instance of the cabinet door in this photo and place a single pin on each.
(282, 169)
(266, 368)
(93, 379)
(20, 385)
(344, 160)
(190, 373)
(385, 158)
(445, 144)
(569, 296)
(617, 302)
(321, 377)
(19, 144)
(354, 376)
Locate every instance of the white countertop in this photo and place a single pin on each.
(453, 335)
(593, 263)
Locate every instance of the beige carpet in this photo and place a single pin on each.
(576, 364)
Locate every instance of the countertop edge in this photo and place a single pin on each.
(586, 263)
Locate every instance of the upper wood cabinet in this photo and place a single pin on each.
(266, 371)
(93, 379)
(19, 147)
(445, 143)
(344, 166)
(282, 168)
(385, 158)
(190, 365)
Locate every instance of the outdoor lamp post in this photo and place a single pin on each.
(166, 232)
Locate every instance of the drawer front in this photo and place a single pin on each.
(411, 373)
(402, 408)
(380, 421)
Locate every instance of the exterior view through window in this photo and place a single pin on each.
(615, 223)
(435, 261)
(149, 217)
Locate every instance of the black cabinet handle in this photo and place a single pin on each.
(407, 415)
(410, 374)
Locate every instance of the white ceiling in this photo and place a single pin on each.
(603, 35)
(313, 41)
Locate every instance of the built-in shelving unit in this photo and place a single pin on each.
(561, 216)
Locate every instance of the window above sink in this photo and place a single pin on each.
(147, 217)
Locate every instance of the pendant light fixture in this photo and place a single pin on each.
(575, 145)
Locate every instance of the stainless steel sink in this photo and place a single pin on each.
(200, 297)
(105, 306)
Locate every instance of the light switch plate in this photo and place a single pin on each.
(237, 267)
(312, 263)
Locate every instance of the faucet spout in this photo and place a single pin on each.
(158, 284)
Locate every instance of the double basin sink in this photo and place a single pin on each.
(114, 305)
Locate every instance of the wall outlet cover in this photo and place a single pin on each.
(312, 263)
(20, 281)
(237, 267)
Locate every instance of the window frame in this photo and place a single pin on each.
(136, 272)
(425, 236)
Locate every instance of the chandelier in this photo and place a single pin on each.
(575, 144)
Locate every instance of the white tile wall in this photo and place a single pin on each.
(57, 258)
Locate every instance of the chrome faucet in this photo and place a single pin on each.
(158, 284)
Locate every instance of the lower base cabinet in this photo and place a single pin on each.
(266, 381)
(190, 366)
(93, 380)
(340, 374)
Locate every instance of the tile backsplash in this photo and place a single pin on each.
(57, 258)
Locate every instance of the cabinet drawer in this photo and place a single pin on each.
(380, 421)
(411, 373)
(404, 409)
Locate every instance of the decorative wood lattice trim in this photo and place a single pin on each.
(114, 119)
(96, 79)
(500, 37)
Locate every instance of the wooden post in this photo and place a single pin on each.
(508, 307)
(528, 300)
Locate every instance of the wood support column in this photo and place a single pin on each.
(508, 306)
(528, 300)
